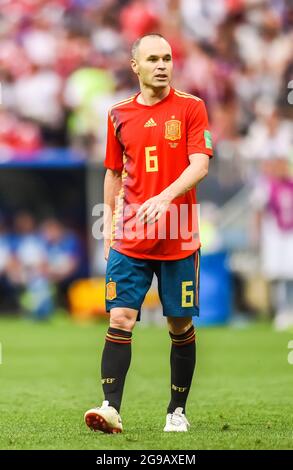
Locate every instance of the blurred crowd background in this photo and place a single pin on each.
(63, 63)
(38, 262)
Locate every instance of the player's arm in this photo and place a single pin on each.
(112, 186)
(113, 180)
(190, 177)
(196, 171)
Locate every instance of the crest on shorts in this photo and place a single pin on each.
(173, 129)
(111, 290)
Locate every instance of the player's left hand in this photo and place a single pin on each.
(152, 209)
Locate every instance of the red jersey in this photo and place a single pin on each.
(150, 145)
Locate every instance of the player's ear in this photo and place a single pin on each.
(134, 66)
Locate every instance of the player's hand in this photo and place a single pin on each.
(152, 209)
(107, 242)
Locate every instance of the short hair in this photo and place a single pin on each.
(136, 44)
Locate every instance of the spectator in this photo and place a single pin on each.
(273, 199)
(27, 271)
(28, 248)
(64, 254)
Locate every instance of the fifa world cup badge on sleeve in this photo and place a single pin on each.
(111, 290)
(208, 139)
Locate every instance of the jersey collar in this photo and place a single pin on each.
(171, 93)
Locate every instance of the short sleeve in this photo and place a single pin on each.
(199, 138)
(114, 149)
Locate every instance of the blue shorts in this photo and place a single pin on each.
(128, 280)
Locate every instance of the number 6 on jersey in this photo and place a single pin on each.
(151, 161)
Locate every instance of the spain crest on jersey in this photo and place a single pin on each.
(173, 129)
(111, 290)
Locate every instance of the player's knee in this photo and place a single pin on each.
(122, 323)
(122, 319)
(179, 326)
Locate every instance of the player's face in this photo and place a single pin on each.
(153, 63)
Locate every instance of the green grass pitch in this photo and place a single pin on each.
(241, 396)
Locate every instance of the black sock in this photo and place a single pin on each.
(182, 361)
(115, 364)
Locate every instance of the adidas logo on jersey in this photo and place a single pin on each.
(150, 123)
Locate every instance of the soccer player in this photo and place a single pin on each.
(158, 150)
